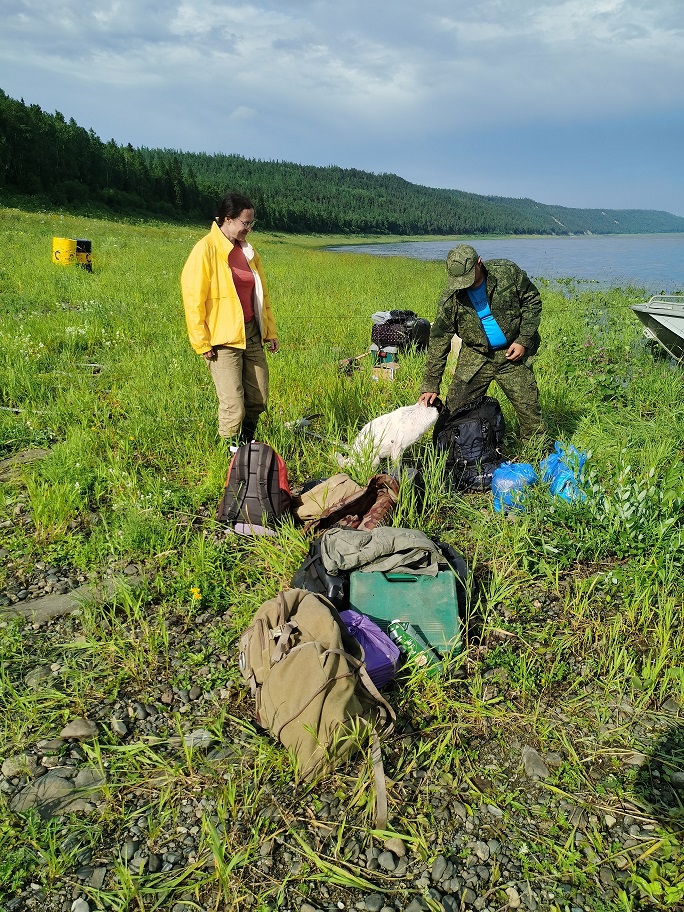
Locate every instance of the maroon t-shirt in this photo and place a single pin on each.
(243, 278)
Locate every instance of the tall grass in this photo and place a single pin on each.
(577, 608)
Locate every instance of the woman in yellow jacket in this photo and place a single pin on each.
(229, 316)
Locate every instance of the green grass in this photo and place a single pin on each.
(578, 608)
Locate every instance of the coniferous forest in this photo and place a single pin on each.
(56, 162)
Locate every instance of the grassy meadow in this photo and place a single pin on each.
(574, 646)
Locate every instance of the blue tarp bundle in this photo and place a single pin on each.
(509, 482)
(562, 471)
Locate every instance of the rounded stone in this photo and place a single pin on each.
(416, 905)
(37, 676)
(513, 898)
(387, 861)
(482, 851)
(374, 902)
(396, 845)
(80, 730)
(128, 850)
(19, 764)
(438, 868)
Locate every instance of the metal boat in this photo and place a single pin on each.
(663, 319)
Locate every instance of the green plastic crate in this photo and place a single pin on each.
(430, 603)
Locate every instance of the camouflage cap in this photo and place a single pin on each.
(461, 263)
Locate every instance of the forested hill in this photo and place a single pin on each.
(47, 157)
(331, 199)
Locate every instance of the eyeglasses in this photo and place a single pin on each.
(247, 225)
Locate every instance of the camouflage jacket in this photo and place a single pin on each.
(516, 306)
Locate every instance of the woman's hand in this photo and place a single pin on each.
(272, 345)
(427, 399)
(210, 355)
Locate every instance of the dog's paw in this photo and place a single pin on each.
(341, 461)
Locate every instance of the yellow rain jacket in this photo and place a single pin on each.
(213, 312)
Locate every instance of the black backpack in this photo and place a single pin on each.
(472, 437)
(404, 329)
(257, 491)
(313, 576)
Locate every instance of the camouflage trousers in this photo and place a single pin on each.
(516, 379)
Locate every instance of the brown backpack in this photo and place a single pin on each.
(310, 504)
(366, 509)
(311, 687)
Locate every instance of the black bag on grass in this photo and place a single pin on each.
(404, 329)
(464, 576)
(313, 576)
(472, 438)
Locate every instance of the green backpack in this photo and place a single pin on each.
(311, 687)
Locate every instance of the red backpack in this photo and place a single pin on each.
(257, 491)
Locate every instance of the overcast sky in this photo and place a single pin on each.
(575, 102)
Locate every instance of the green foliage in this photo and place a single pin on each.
(17, 860)
(628, 515)
(575, 611)
(34, 850)
(663, 884)
(41, 152)
(639, 515)
(528, 673)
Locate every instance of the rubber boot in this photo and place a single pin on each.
(247, 431)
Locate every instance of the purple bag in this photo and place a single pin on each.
(381, 654)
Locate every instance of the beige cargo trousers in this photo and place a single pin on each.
(241, 380)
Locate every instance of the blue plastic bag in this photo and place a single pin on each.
(509, 482)
(562, 470)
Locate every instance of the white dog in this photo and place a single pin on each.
(387, 436)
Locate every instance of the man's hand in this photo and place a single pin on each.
(427, 399)
(210, 355)
(272, 345)
(515, 352)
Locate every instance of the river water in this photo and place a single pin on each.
(654, 262)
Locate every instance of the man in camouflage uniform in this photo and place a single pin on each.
(495, 309)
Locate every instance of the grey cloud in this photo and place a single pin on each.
(383, 83)
(631, 33)
(290, 45)
(511, 58)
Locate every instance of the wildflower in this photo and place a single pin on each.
(196, 594)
